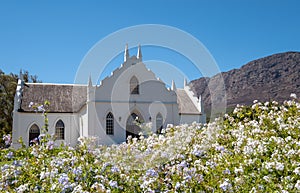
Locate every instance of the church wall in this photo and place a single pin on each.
(202, 119)
(122, 111)
(83, 121)
(113, 95)
(23, 122)
(188, 119)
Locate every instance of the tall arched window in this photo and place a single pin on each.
(110, 124)
(159, 123)
(34, 133)
(60, 130)
(134, 85)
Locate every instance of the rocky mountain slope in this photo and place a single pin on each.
(270, 78)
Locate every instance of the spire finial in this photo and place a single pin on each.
(200, 104)
(126, 53)
(21, 75)
(173, 86)
(184, 82)
(90, 84)
(139, 53)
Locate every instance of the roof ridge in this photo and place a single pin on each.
(59, 84)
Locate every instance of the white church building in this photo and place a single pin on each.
(108, 111)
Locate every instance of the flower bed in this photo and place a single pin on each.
(255, 149)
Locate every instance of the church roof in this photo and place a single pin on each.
(185, 104)
(68, 98)
(65, 98)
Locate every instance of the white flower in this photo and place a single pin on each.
(30, 104)
(78, 189)
(238, 170)
(226, 171)
(170, 125)
(293, 95)
(41, 108)
(297, 185)
(22, 188)
(266, 178)
(225, 185)
(113, 184)
(177, 185)
(220, 148)
(98, 186)
(279, 166)
(297, 171)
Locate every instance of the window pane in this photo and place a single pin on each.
(34, 129)
(110, 124)
(134, 85)
(60, 130)
(159, 123)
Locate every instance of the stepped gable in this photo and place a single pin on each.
(185, 104)
(63, 98)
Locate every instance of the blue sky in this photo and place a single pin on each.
(51, 38)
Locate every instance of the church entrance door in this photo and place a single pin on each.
(132, 128)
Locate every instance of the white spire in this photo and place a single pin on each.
(173, 86)
(139, 53)
(126, 53)
(184, 82)
(200, 104)
(90, 84)
(21, 75)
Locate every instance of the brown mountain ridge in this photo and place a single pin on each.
(270, 78)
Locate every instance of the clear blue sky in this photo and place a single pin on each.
(50, 38)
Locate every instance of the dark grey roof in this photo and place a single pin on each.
(185, 104)
(62, 97)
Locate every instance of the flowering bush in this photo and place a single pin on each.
(254, 149)
(7, 140)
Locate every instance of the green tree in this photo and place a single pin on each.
(8, 84)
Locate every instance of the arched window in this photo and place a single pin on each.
(134, 85)
(159, 123)
(109, 124)
(60, 130)
(34, 129)
(34, 133)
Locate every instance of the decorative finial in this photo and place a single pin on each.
(126, 53)
(21, 75)
(139, 53)
(184, 82)
(173, 86)
(200, 104)
(90, 84)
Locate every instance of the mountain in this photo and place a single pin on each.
(270, 78)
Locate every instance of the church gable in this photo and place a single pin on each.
(185, 104)
(132, 80)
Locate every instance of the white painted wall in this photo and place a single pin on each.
(24, 120)
(113, 95)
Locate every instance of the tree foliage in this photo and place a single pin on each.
(8, 84)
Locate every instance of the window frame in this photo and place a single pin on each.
(60, 130)
(159, 120)
(109, 124)
(134, 86)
